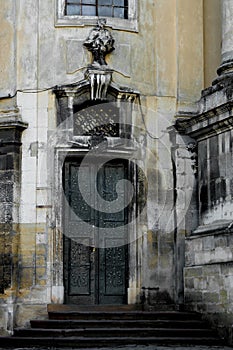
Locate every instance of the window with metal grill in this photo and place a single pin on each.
(101, 8)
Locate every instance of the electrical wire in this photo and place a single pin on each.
(144, 121)
(35, 91)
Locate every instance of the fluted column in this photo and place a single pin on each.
(227, 38)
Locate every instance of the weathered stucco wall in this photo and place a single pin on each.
(158, 56)
(8, 48)
(155, 58)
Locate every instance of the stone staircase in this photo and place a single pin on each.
(72, 326)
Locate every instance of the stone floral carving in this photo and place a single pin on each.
(99, 42)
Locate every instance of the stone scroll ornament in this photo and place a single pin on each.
(100, 43)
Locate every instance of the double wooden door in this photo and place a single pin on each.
(95, 240)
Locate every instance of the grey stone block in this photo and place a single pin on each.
(189, 283)
(193, 297)
(221, 241)
(208, 243)
(193, 272)
(211, 297)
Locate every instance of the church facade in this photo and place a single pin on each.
(116, 177)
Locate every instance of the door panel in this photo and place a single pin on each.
(79, 272)
(112, 272)
(113, 257)
(94, 275)
(79, 256)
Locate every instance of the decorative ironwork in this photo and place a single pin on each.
(114, 277)
(79, 253)
(99, 120)
(115, 268)
(79, 278)
(115, 255)
(79, 265)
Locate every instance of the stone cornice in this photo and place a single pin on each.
(215, 228)
(10, 119)
(13, 125)
(208, 123)
(213, 114)
(78, 88)
(71, 89)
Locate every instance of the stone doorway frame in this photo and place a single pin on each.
(135, 251)
(60, 148)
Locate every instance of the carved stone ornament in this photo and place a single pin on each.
(100, 81)
(99, 42)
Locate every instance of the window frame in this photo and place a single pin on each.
(130, 24)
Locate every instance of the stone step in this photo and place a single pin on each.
(79, 342)
(110, 326)
(114, 332)
(72, 324)
(73, 307)
(122, 315)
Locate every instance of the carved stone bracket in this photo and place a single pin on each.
(100, 80)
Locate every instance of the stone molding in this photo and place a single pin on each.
(210, 119)
(217, 227)
(213, 114)
(207, 124)
(74, 90)
(11, 118)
